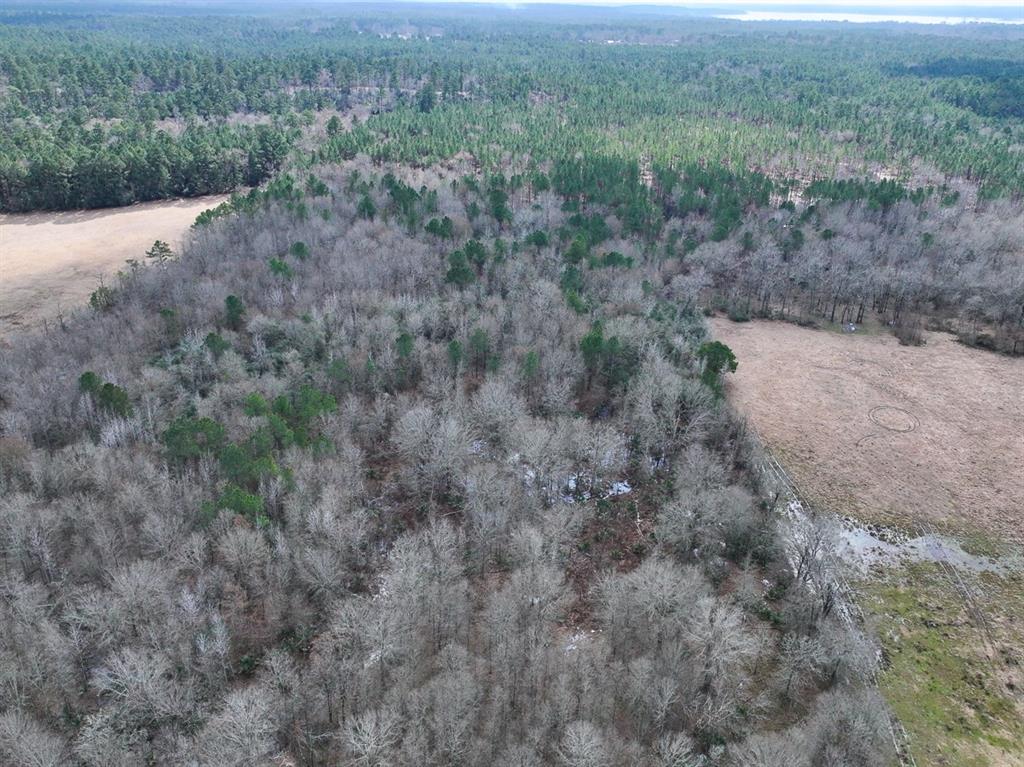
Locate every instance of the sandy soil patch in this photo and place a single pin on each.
(51, 262)
(885, 432)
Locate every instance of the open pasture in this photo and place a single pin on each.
(51, 262)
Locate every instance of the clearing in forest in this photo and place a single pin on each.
(51, 262)
(900, 435)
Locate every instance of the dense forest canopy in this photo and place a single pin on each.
(402, 466)
(114, 107)
(416, 453)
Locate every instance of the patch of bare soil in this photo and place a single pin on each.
(51, 262)
(888, 433)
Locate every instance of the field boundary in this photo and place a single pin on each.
(848, 607)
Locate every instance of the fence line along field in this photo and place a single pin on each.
(889, 433)
(51, 262)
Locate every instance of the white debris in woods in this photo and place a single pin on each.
(619, 488)
(577, 639)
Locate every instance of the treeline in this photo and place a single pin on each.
(82, 167)
(306, 494)
(922, 261)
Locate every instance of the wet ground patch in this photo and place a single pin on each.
(958, 694)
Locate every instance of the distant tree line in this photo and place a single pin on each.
(106, 114)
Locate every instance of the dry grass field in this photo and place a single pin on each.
(912, 437)
(888, 433)
(51, 262)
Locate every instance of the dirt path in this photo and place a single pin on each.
(51, 262)
(885, 432)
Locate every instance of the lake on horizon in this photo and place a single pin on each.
(863, 18)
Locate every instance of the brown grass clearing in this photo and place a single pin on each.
(888, 433)
(51, 262)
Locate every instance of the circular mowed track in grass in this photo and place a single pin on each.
(895, 419)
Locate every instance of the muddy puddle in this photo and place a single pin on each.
(864, 547)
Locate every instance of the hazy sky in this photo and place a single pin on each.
(924, 11)
(880, 4)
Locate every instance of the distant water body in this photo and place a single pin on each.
(864, 18)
